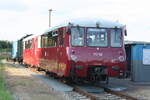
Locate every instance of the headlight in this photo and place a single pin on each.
(121, 58)
(73, 57)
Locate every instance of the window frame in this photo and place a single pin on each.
(115, 37)
(83, 37)
(107, 30)
(53, 35)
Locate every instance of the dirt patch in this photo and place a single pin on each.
(24, 86)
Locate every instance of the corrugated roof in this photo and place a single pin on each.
(136, 42)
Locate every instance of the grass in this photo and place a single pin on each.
(5, 50)
(4, 93)
(5, 53)
(3, 57)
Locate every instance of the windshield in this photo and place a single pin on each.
(77, 36)
(97, 37)
(116, 39)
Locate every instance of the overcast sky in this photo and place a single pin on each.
(20, 17)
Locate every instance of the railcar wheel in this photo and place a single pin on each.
(107, 80)
(26, 65)
(47, 73)
(39, 69)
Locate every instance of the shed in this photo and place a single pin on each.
(14, 50)
(138, 60)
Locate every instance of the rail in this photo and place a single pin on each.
(120, 94)
(93, 97)
(82, 92)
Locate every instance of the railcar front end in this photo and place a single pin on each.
(96, 53)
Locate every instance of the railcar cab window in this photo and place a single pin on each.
(97, 37)
(77, 36)
(116, 38)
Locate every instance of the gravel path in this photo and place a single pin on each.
(24, 86)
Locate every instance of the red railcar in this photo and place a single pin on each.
(88, 49)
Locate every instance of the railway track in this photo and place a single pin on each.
(82, 94)
(108, 94)
(119, 94)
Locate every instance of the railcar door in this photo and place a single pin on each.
(42, 51)
(49, 60)
(32, 61)
(35, 50)
(61, 53)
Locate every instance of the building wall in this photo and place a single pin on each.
(140, 62)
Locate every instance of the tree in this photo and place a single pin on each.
(5, 44)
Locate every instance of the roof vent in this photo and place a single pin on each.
(97, 24)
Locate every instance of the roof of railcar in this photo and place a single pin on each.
(30, 37)
(88, 23)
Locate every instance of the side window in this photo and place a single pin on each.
(44, 41)
(28, 44)
(32, 44)
(39, 42)
(52, 39)
(49, 39)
